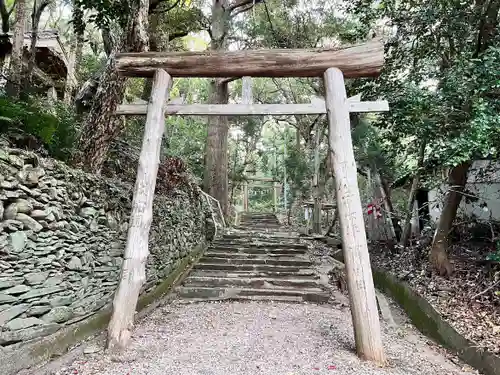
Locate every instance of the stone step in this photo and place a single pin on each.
(261, 255)
(253, 282)
(304, 274)
(239, 293)
(259, 217)
(257, 240)
(257, 251)
(287, 299)
(245, 267)
(260, 221)
(263, 261)
(261, 224)
(264, 228)
(245, 235)
(259, 244)
(231, 245)
(258, 236)
(241, 260)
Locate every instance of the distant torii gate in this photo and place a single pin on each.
(363, 60)
(276, 185)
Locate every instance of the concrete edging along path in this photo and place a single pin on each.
(37, 352)
(429, 321)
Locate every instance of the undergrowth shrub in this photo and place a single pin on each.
(36, 124)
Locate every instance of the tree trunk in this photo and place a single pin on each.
(68, 85)
(456, 186)
(133, 273)
(352, 226)
(76, 53)
(16, 61)
(153, 47)
(101, 126)
(386, 192)
(405, 237)
(38, 9)
(216, 158)
(80, 37)
(216, 162)
(5, 16)
(388, 214)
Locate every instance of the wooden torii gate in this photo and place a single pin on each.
(275, 186)
(363, 60)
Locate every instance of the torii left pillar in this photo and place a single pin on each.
(133, 274)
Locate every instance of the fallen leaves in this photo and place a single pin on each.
(466, 300)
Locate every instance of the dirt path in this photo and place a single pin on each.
(253, 338)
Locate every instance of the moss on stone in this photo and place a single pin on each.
(430, 323)
(174, 278)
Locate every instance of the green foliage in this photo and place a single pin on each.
(185, 137)
(55, 126)
(261, 199)
(369, 147)
(89, 66)
(298, 169)
(104, 12)
(179, 21)
(495, 256)
(288, 24)
(441, 79)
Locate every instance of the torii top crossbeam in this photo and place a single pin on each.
(363, 60)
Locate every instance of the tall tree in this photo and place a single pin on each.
(16, 60)
(101, 126)
(215, 181)
(6, 9)
(76, 50)
(36, 14)
(447, 72)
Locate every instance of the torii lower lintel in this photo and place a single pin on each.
(314, 108)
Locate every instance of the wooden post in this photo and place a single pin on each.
(415, 222)
(275, 197)
(133, 274)
(4, 70)
(51, 94)
(245, 196)
(357, 261)
(246, 90)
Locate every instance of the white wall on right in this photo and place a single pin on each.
(482, 199)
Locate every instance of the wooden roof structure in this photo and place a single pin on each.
(52, 61)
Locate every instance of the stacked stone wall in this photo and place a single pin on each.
(62, 238)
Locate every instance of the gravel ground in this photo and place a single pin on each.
(259, 339)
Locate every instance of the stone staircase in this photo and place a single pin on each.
(258, 261)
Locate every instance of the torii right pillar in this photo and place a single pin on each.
(352, 227)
